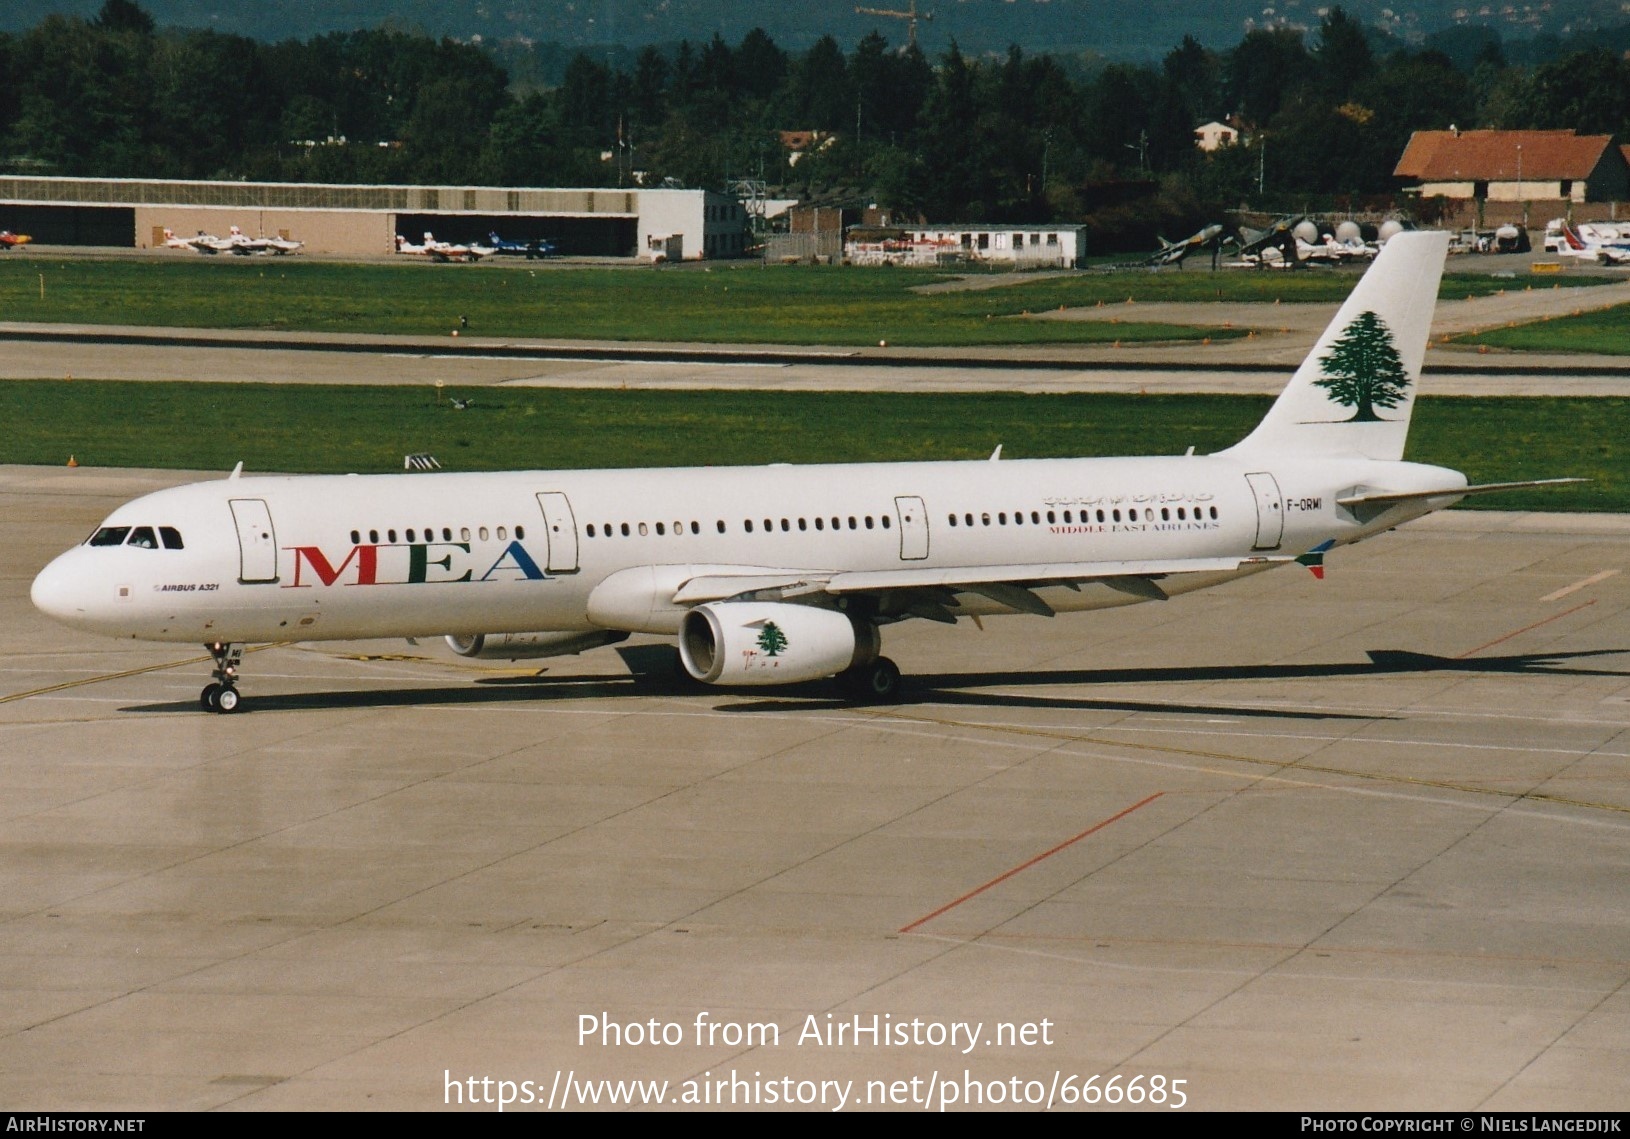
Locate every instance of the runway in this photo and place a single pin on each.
(1351, 844)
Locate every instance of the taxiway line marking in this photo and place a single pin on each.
(1526, 628)
(1000, 878)
(121, 675)
(1578, 585)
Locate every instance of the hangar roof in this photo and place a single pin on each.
(532, 200)
(1501, 156)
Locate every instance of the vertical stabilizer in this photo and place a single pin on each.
(1354, 393)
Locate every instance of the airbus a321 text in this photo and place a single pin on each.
(780, 574)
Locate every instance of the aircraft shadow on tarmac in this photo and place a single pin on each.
(952, 688)
(652, 672)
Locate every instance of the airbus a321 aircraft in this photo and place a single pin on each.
(779, 574)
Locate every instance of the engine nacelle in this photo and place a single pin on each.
(522, 646)
(771, 642)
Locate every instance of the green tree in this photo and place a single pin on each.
(1343, 55)
(124, 16)
(771, 639)
(1363, 370)
(1265, 69)
(821, 94)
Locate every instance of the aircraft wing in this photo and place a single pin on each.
(1007, 584)
(956, 577)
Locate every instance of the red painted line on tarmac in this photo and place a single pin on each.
(999, 879)
(1525, 628)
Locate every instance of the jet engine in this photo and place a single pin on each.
(768, 642)
(520, 646)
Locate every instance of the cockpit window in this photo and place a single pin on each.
(142, 537)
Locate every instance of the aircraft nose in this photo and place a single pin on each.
(60, 591)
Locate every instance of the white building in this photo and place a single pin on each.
(709, 225)
(1213, 135)
(1028, 246)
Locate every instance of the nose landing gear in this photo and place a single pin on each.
(221, 694)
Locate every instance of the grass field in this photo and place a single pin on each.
(292, 427)
(1606, 331)
(724, 303)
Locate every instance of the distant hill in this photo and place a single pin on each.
(1111, 28)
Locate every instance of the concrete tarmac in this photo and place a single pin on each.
(1352, 844)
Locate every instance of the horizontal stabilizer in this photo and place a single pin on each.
(1454, 492)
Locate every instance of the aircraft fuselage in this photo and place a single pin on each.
(302, 558)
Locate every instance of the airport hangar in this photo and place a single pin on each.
(365, 220)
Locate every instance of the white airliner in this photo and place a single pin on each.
(779, 574)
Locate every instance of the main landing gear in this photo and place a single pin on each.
(877, 681)
(221, 694)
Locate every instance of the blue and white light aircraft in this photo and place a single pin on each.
(779, 574)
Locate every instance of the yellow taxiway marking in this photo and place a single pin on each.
(1578, 585)
(127, 672)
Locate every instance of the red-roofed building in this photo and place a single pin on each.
(1516, 166)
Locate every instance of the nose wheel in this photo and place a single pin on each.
(221, 694)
